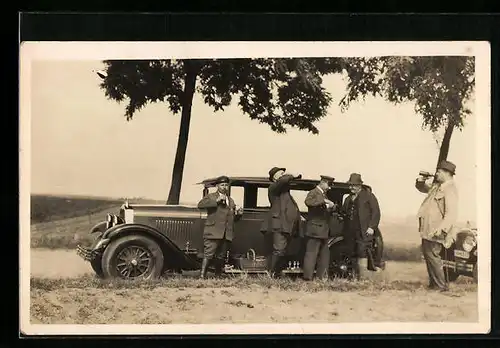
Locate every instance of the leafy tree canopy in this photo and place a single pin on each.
(439, 86)
(278, 92)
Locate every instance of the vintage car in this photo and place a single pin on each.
(461, 257)
(145, 241)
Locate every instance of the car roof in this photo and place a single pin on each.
(262, 181)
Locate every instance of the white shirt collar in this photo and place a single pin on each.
(319, 188)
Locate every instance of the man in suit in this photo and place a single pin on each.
(437, 218)
(317, 255)
(218, 231)
(361, 219)
(283, 219)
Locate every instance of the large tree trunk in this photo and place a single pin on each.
(180, 155)
(445, 144)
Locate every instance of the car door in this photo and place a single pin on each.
(247, 233)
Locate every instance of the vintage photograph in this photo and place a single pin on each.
(255, 187)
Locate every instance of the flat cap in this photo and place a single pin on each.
(327, 178)
(222, 179)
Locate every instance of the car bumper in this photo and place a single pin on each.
(461, 267)
(87, 254)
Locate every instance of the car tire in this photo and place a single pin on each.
(96, 263)
(118, 258)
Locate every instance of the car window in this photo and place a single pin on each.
(237, 194)
(298, 195)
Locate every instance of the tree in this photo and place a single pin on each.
(440, 88)
(278, 92)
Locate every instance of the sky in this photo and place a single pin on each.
(81, 144)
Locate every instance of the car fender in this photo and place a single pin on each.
(172, 252)
(99, 227)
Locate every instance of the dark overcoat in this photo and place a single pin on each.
(318, 217)
(284, 214)
(220, 219)
(369, 215)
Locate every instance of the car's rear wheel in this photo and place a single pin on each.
(133, 257)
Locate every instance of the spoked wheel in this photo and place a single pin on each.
(133, 257)
(133, 261)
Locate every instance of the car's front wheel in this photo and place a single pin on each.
(96, 262)
(133, 256)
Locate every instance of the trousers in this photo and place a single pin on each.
(434, 264)
(215, 248)
(317, 257)
(278, 243)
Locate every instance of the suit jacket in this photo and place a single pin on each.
(284, 214)
(318, 216)
(220, 219)
(368, 210)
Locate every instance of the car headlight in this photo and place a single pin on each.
(469, 243)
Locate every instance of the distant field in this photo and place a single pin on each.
(52, 208)
(64, 222)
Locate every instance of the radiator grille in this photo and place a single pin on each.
(178, 231)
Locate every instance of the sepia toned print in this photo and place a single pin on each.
(275, 188)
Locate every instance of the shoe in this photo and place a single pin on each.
(380, 266)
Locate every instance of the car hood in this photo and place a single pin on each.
(165, 210)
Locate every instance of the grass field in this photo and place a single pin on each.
(398, 294)
(64, 222)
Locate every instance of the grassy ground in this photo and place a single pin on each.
(87, 300)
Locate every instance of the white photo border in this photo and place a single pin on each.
(81, 51)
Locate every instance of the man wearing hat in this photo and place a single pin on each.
(317, 230)
(218, 231)
(283, 218)
(362, 217)
(437, 218)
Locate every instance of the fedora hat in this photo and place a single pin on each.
(448, 166)
(355, 179)
(273, 171)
